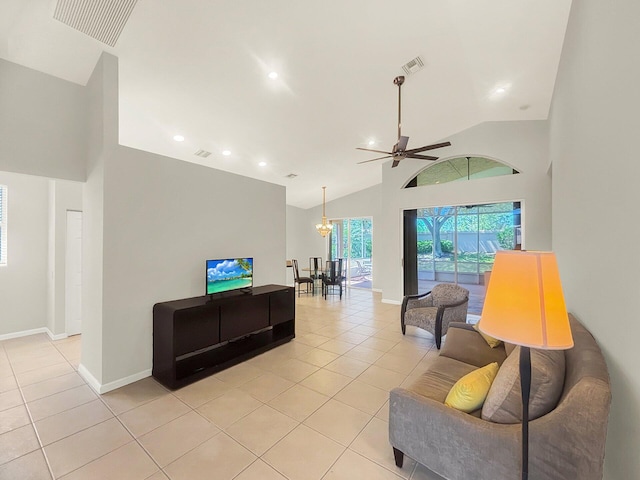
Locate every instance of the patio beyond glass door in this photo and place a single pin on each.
(352, 240)
(457, 244)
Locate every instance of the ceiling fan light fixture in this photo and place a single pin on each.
(399, 150)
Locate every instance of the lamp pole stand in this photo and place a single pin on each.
(525, 387)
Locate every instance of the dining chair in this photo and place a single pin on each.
(332, 277)
(298, 280)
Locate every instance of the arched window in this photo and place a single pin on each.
(460, 169)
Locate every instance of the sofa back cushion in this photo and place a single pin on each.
(466, 345)
(504, 401)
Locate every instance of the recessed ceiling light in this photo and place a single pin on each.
(500, 90)
(226, 153)
(263, 164)
(273, 75)
(178, 138)
(372, 142)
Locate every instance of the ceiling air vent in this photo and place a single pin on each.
(413, 66)
(202, 153)
(100, 19)
(291, 175)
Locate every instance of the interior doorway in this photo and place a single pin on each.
(352, 240)
(73, 273)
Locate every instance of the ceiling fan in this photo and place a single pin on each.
(399, 151)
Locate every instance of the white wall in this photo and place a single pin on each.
(594, 127)
(300, 241)
(23, 281)
(522, 145)
(102, 121)
(162, 219)
(42, 124)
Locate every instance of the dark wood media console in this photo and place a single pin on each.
(195, 337)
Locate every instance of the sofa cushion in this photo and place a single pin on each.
(468, 393)
(504, 401)
(492, 342)
(463, 343)
(438, 379)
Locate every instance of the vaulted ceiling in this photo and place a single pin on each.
(200, 69)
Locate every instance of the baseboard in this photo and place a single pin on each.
(59, 336)
(392, 302)
(33, 331)
(377, 290)
(24, 333)
(107, 387)
(90, 379)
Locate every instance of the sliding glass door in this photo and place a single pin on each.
(457, 244)
(352, 240)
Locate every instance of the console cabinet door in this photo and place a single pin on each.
(241, 318)
(282, 306)
(196, 328)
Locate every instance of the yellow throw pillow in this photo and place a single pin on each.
(468, 393)
(492, 342)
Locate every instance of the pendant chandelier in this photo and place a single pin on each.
(324, 228)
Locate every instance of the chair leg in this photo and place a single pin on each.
(438, 333)
(398, 456)
(403, 327)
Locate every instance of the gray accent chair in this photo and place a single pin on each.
(435, 310)
(566, 443)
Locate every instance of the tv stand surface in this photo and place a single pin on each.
(196, 337)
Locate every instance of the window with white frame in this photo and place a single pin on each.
(3, 225)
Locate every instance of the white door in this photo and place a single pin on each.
(73, 274)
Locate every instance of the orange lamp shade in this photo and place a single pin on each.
(524, 304)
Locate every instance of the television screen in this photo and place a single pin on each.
(229, 274)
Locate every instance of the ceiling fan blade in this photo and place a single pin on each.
(370, 150)
(429, 147)
(374, 159)
(421, 157)
(402, 143)
(395, 163)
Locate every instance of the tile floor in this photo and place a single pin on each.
(315, 408)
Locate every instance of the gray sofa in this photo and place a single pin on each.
(566, 443)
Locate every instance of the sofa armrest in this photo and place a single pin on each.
(569, 442)
(450, 442)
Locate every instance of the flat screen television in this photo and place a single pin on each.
(228, 274)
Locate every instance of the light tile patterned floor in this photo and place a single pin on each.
(315, 408)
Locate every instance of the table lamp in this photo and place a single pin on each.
(525, 306)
